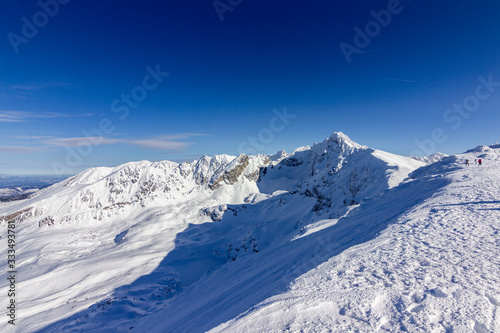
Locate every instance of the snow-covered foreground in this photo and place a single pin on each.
(333, 237)
(432, 267)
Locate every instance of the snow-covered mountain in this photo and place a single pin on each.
(436, 157)
(333, 237)
(21, 187)
(16, 192)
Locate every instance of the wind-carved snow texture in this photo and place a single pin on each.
(334, 237)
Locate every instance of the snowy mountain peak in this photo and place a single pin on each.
(344, 141)
(338, 143)
(278, 156)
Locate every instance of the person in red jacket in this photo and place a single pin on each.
(479, 162)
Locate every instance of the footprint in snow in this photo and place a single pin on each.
(457, 294)
(418, 308)
(480, 328)
(493, 300)
(416, 298)
(436, 292)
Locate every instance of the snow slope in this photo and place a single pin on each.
(432, 266)
(330, 237)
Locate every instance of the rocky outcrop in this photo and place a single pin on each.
(230, 174)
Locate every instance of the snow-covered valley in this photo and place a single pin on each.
(336, 237)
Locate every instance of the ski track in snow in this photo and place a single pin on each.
(421, 257)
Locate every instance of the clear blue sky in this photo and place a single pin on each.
(66, 72)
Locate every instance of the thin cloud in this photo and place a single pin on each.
(399, 80)
(24, 88)
(19, 149)
(180, 136)
(195, 134)
(166, 143)
(160, 144)
(27, 89)
(10, 116)
(32, 137)
(23, 116)
(39, 86)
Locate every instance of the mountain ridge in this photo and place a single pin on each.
(112, 245)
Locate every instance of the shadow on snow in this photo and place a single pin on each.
(225, 288)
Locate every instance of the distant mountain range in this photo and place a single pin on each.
(21, 187)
